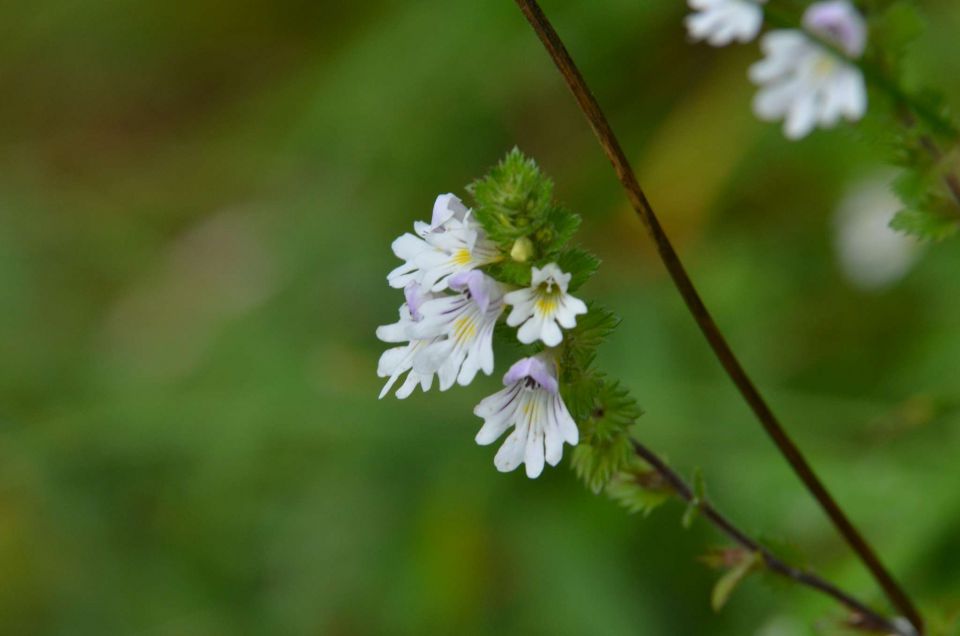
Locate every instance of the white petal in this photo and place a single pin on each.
(772, 102)
(521, 311)
(553, 440)
(495, 403)
(450, 369)
(801, 118)
(433, 356)
(568, 310)
(468, 371)
(568, 428)
(550, 333)
(391, 359)
(408, 246)
(511, 453)
(853, 94)
(533, 454)
(498, 422)
(530, 331)
(408, 386)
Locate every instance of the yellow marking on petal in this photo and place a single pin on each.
(464, 328)
(462, 256)
(546, 305)
(824, 65)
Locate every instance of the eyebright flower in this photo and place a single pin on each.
(460, 330)
(805, 83)
(532, 405)
(870, 253)
(399, 360)
(720, 22)
(452, 242)
(542, 305)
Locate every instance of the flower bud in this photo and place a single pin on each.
(522, 250)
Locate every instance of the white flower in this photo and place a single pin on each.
(871, 255)
(452, 242)
(460, 330)
(542, 305)
(532, 405)
(802, 81)
(720, 22)
(399, 360)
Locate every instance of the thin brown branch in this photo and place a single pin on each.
(868, 618)
(611, 147)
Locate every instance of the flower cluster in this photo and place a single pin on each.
(458, 281)
(808, 76)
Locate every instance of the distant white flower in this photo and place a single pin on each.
(532, 405)
(452, 242)
(460, 328)
(720, 22)
(804, 83)
(871, 255)
(543, 305)
(399, 360)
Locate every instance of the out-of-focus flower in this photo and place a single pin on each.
(805, 83)
(721, 22)
(460, 328)
(871, 255)
(543, 305)
(452, 242)
(532, 405)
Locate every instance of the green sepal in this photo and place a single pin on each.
(724, 588)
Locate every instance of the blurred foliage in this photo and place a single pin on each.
(197, 202)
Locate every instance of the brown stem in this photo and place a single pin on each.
(868, 618)
(611, 147)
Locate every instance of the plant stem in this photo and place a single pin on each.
(868, 618)
(638, 200)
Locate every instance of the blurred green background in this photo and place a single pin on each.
(196, 206)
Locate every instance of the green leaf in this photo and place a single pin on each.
(896, 27)
(604, 411)
(699, 485)
(580, 343)
(925, 224)
(580, 263)
(597, 462)
(728, 582)
(690, 514)
(510, 272)
(639, 490)
(558, 228)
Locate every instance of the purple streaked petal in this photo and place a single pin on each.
(446, 207)
(415, 296)
(537, 369)
(838, 22)
(478, 284)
